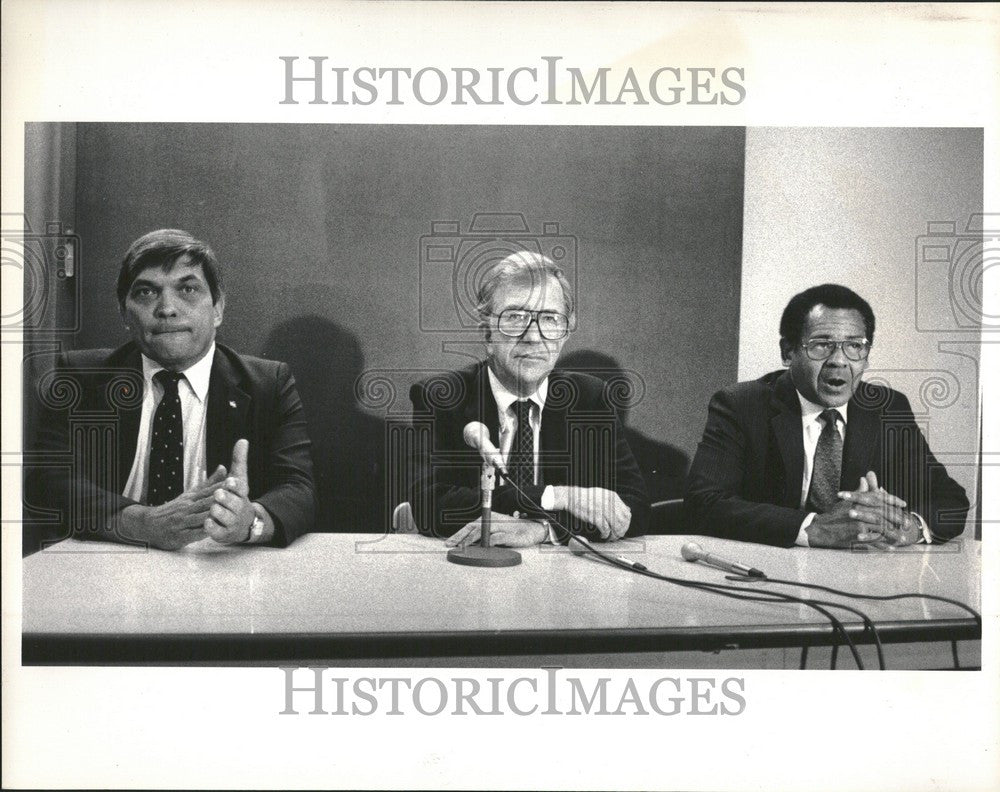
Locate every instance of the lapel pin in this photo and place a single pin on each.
(232, 404)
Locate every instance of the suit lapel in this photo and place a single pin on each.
(860, 444)
(228, 408)
(482, 406)
(786, 423)
(553, 437)
(129, 417)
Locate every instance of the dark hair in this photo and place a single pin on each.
(164, 248)
(832, 295)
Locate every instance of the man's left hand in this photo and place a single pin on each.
(232, 513)
(602, 508)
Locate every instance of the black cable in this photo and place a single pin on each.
(721, 589)
(740, 593)
(880, 597)
(746, 594)
(869, 626)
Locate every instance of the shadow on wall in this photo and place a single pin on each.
(664, 467)
(348, 443)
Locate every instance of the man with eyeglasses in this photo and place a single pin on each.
(557, 431)
(815, 457)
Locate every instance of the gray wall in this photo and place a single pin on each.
(320, 229)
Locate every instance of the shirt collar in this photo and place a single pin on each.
(504, 398)
(811, 410)
(197, 376)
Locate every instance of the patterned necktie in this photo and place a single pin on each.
(825, 482)
(522, 453)
(166, 450)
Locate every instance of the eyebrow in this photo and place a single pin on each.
(182, 280)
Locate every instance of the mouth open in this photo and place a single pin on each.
(834, 382)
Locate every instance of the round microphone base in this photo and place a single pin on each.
(477, 555)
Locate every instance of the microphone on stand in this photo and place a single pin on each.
(477, 436)
(692, 551)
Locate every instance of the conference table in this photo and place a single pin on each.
(394, 599)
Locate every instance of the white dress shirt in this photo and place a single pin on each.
(508, 428)
(812, 428)
(193, 392)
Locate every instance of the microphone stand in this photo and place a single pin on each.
(482, 554)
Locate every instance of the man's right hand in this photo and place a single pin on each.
(839, 527)
(176, 523)
(602, 508)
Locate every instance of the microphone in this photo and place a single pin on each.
(477, 436)
(484, 554)
(692, 551)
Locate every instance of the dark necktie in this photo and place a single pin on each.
(825, 482)
(166, 449)
(522, 453)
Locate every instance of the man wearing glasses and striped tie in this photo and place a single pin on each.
(812, 456)
(557, 431)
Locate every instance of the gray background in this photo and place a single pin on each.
(319, 229)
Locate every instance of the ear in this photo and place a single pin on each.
(786, 351)
(219, 308)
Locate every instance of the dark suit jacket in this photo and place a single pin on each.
(582, 444)
(746, 479)
(91, 404)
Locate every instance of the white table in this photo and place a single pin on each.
(366, 598)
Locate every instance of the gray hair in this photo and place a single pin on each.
(525, 264)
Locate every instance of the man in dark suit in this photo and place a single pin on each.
(813, 456)
(173, 438)
(557, 431)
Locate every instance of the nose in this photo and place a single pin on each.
(838, 358)
(532, 335)
(166, 305)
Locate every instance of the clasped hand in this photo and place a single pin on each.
(868, 515)
(220, 508)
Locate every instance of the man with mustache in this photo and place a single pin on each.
(812, 456)
(206, 442)
(557, 431)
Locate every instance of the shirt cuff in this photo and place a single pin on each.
(802, 540)
(548, 501)
(925, 531)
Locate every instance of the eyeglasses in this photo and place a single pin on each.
(514, 322)
(822, 348)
